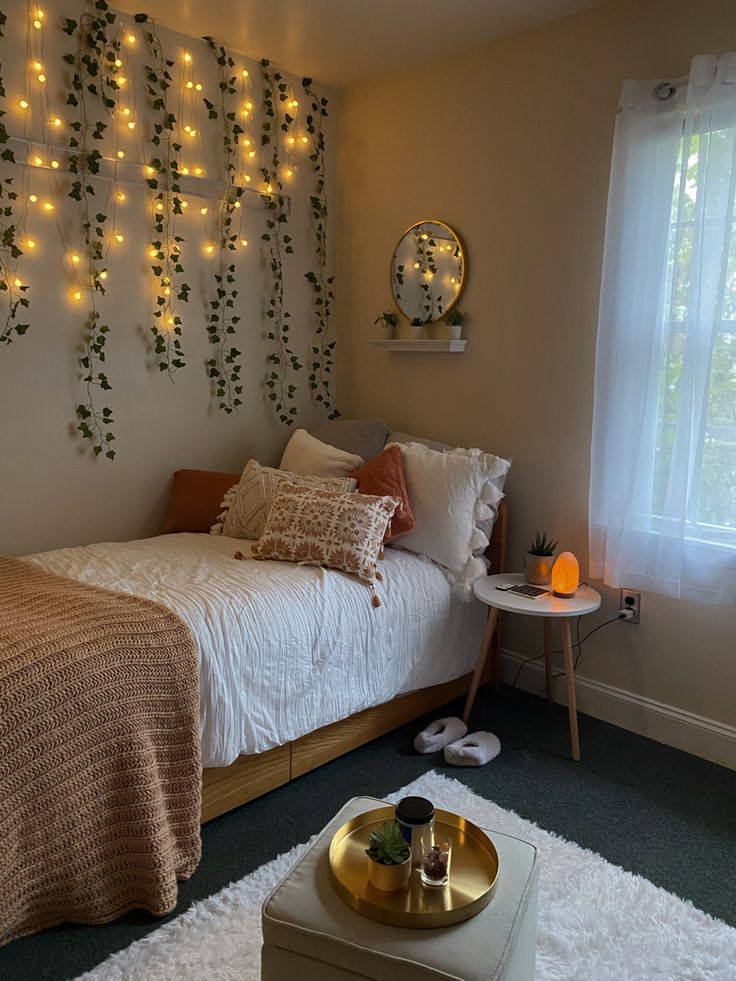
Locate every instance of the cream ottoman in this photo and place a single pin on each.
(309, 934)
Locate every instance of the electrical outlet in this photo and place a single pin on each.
(631, 600)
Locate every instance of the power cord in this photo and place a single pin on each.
(577, 646)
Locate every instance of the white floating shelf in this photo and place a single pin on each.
(455, 347)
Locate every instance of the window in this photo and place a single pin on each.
(663, 450)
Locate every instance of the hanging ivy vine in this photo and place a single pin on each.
(320, 381)
(93, 63)
(164, 181)
(281, 391)
(225, 367)
(9, 249)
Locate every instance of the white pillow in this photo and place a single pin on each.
(451, 493)
(307, 454)
(245, 507)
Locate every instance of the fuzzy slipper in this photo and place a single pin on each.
(439, 734)
(473, 750)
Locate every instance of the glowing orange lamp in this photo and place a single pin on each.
(565, 576)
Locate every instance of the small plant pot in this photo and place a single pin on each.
(389, 878)
(416, 331)
(456, 331)
(538, 569)
(386, 333)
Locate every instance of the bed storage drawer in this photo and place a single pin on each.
(225, 787)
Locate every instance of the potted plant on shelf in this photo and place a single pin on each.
(540, 558)
(389, 322)
(390, 858)
(455, 319)
(416, 327)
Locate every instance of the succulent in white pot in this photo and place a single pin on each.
(416, 328)
(539, 559)
(455, 319)
(388, 323)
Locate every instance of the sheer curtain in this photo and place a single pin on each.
(663, 458)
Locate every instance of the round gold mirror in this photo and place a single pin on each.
(428, 270)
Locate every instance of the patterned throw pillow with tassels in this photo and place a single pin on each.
(327, 528)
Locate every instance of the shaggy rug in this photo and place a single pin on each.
(596, 922)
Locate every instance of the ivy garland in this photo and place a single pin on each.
(9, 250)
(224, 369)
(164, 179)
(93, 64)
(320, 382)
(281, 392)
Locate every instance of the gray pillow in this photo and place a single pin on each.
(364, 437)
(407, 438)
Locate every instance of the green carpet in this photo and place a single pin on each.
(652, 810)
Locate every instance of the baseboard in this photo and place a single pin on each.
(711, 740)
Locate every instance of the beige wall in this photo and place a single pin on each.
(51, 492)
(511, 144)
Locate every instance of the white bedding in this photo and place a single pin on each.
(285, 649)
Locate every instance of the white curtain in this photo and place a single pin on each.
(662, 513)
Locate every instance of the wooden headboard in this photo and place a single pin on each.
(496, 551)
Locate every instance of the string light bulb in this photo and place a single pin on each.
(38, 18)
(125, 111)
(55, 121)
(247, 178)
(197, 86)
(23, 103)
(103, 274)
(77, 295)
(190, 84)
(245, 73)
(152, 253)
(130, 39)
(305, 139)
(75, 258)
(48, 206)
(36, 160)
(120, 154)
(159, 206)
(122, 80)
(198, 171)
(289, 172)
(184, 170)
(32, 198)
(17, 282)
(118, 63)
(30, 243)
(131, 125)
(291, 141)
(118, 237)
(187, 56)
(185, 204)
(236, 204)
(244, 242)
(149, 171)
(203, 211)
(121, 196)
(37, 66)
(41, 77)
(209, 249)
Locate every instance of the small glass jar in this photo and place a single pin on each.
(415, 817)
(435, 867)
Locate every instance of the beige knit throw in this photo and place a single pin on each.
(100, 776)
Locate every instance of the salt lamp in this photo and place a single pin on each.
(565, 576)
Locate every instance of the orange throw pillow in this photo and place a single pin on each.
(195, 499)
(383, 476)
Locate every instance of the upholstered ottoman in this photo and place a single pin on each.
(309, 934)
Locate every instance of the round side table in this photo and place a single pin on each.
(585, 600)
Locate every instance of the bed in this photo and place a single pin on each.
(271, 639)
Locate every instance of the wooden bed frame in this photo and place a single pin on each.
(226, 787)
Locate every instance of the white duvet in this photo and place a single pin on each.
(285, 649)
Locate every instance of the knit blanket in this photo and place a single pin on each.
(100, 777)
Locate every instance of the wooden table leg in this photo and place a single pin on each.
(569, 672)
(547, 624)
(483, 653)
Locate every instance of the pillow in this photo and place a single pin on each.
(194, 502)
(384, 475)
(245, 506)
(364, 437)
(319, 527)
(407, 438)
(450, 493)
(305, 454)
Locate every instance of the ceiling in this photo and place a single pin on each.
(341, 42)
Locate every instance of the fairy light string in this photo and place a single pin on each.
(11, 285)
(283, 360)
(321, 283)
(224, 368)
(163, 180)
(92, 61)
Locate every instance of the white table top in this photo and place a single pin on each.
(585, 600)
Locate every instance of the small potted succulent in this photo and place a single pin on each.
(455, 319)
(389, 868)
(540, 558)
(389, 322)
(416, 327)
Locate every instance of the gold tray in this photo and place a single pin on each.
(473, 874)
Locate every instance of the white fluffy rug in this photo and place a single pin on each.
(596, 922)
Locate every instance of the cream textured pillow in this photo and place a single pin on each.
(318, 527)
(451, 493)
(309, 455)
(245, 506)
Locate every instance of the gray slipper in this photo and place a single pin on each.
(438, 734)
(473, 750)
